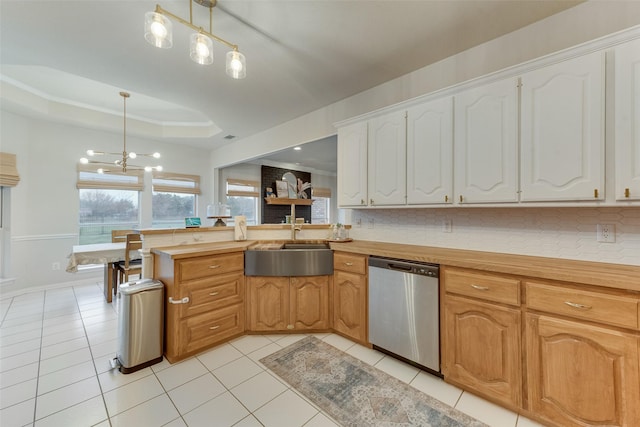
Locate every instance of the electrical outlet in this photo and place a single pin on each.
(359, 222)
(446, 226)
(606, 233)
(370, 223)
(55, 266)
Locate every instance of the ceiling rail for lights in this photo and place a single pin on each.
(158, 32)
(121, 163)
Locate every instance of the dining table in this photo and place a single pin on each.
(108, 254)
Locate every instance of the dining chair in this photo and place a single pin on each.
(119, 236)
(130, 265)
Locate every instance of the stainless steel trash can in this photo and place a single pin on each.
(140, 325)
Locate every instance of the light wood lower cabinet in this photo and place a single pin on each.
(582, 355)
(204, 301)
(582, 375)
(288, 303)
(481, 335)
(350, 296)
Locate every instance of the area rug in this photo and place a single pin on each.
(356, 394)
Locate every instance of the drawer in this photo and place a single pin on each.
(211, 293)
(353, 263)
(196, 268)
(596, 306)
(490, 287)
(204, 330)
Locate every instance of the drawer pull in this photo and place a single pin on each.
(214, 266)
(480, 288)
(348, 264)
(184, 300)
(213, 328)
(576, 305)
(213, 294)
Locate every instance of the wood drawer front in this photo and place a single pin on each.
(199, 267)
(485, 286)
(203, 330)
(595, 306)
(212, 293)
(352, 263)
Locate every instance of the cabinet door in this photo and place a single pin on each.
(486, 143)
(562, 131)
(352, 165)
(627, 82)
(430, 152)
(350, 305)
(268, 303)
(309, 302)
(481, 348)
(387, 159)
(581, 375)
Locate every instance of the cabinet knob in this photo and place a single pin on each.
(371, 202)
(480, 288)
(461, 198)
(214, 266)
(627, 193)
(348, 264)
(362, 202)
(213, 294)
(213, 328)
(446, 199)
(290, 326)
(595, 193)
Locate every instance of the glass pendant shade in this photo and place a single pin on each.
(158, 30)
(236, 65)
(201, 49)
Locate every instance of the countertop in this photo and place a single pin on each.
(618, 276)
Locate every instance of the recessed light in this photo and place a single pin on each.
(297, 148)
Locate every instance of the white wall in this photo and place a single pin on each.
(44, 205)
(568, 233)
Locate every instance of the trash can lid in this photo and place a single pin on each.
(140, 285)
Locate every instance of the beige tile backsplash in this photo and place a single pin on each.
(568, 233)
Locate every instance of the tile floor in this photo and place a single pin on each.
(55, 348)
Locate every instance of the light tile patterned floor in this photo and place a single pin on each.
(55, 348)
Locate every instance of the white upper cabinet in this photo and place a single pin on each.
(430, 152)
(352, 165)
(486, 143)
(627, 81)
(387, 159)
(562, 131)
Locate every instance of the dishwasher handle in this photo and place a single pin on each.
(430, 270)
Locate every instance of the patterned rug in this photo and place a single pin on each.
(356, 394)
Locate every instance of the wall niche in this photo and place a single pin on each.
(275, 214)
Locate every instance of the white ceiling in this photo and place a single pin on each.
(301, 55)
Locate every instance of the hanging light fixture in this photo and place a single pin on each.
(121, 161)
(158, 32)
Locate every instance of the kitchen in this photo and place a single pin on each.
(564, 232)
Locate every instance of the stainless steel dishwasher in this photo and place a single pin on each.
(404, 317)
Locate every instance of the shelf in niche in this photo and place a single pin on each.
(285, 201)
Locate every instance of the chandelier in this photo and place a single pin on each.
(121, 162)
(158, 27)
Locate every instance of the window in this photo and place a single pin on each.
(321, 206)
(242, 199)
(107, 202)
(174, 198)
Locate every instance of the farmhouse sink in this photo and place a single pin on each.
(293, 259)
